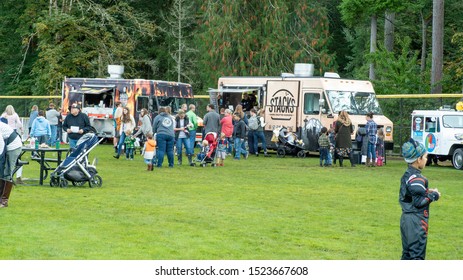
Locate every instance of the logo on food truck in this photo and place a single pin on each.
(282, 105)
(430, 142)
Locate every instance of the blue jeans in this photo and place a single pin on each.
(251, 141)
(192, 141)
(129, 153)
(371, 152)
(52, 139)
(230, 145)
(186, 143)
(238, 148)
(121, 142)
(72, 143)
(259, 135)
(165, 146)
(323, 156)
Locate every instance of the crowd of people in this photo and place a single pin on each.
(165, 131)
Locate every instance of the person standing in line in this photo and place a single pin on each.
(239, 133)
(193, 118)
(41, 129)
(76, 124)
(415, 198)
(127, 123)
(226, 124)
(182, 137)
(34, 114)
(117, 114)
(371, 130)
(10, 149)
(211, 121)
(163, 126)
(52, 115)
(253, 126)
(324, 146)
(344, 130)
(259, 134)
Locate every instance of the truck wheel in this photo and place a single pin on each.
(457, 159)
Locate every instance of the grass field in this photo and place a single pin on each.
(257, 209)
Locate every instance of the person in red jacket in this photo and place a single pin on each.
(227, 128)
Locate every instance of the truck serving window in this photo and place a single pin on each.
(311, 103)
(452, 121)
(355, 103)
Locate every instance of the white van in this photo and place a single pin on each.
(303, 103)
(441, 131)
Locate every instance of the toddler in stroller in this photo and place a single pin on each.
(208, 150)
(288, 143)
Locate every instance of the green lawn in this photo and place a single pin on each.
(260, 208)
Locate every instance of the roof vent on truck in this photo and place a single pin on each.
(115, 71)
(303, 69)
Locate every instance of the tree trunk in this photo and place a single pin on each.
(424, 40)
(373, 36)
(437, 45)
(389, 31)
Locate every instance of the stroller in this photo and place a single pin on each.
(75, 167)
(208, 153)
(288, 144)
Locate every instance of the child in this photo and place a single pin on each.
(331, 153)
(149, 151)
(204, 150)
(380, 147)
(414, 198)
(324, 144)
(222, 149)
(129, 144)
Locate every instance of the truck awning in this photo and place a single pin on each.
(233, 90)
(93, 89)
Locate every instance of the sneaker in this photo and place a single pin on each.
(267, 155)
(246, 156)
(257, 154)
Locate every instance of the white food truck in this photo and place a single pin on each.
(303, 103)
(441, 131)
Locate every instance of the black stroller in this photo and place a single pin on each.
(75, 167)
(288, 144)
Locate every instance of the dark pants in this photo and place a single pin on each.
(165, 146)
(414, 232)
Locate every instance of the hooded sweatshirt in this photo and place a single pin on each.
(40, 127)
(164, 124)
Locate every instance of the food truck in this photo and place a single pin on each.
(441, 132)
(303, 104)
(97, 97)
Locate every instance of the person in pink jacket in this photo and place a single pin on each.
(227, 128)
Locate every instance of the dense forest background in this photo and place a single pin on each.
(193, 41)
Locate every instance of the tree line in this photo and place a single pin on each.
(393, 43)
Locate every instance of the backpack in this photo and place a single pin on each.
(253, 123)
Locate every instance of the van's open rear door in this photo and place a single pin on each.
(281, 104)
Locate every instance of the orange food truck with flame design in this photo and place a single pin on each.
(98, 96)
(303, 104)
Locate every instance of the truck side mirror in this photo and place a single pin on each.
(321, 102)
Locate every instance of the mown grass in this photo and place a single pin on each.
(260, 208)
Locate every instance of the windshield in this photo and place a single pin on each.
(174, 102)
(355, 103)
(453, 121)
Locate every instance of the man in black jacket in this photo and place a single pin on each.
(76, 124)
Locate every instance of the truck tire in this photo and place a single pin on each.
(457, 159)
